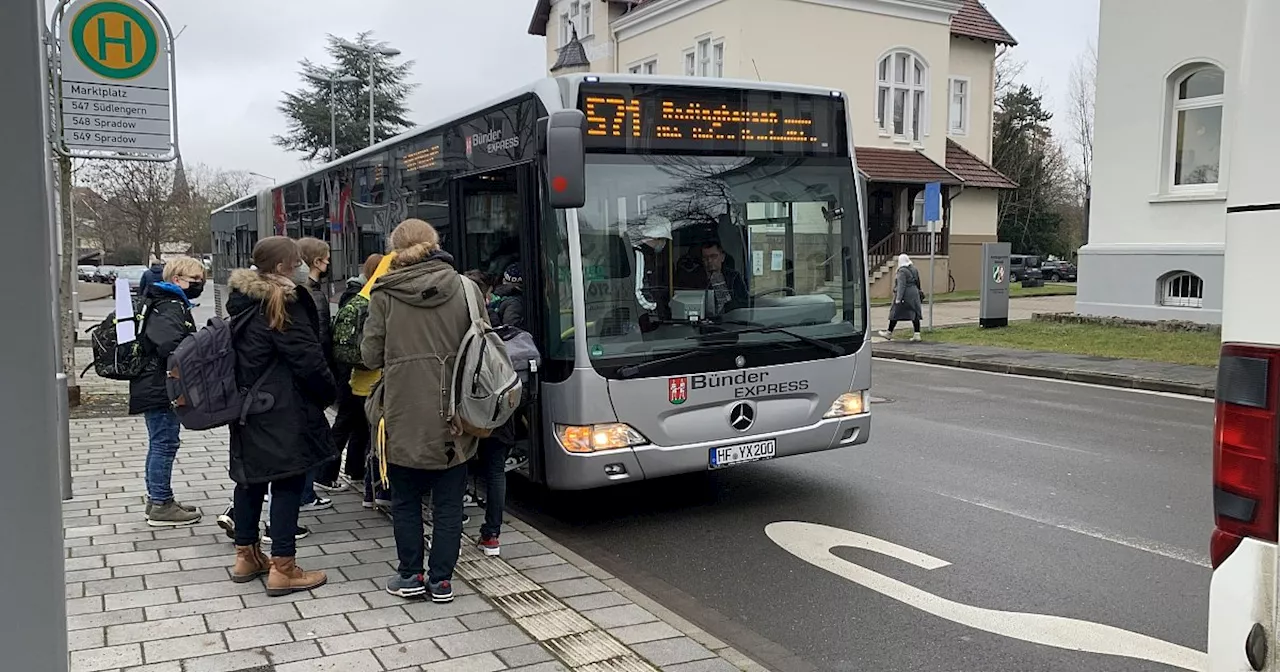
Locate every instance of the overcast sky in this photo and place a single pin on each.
(236, 56)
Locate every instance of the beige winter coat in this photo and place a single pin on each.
(417, 318)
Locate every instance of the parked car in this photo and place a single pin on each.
(133, 274)
(85, 273)
(1058, 271)
(105, 274)
(1024, 267)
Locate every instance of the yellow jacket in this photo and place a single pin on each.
(363, 380)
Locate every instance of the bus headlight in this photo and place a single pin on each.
(849, 403)
(593, 438)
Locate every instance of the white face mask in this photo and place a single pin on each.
(302, 274)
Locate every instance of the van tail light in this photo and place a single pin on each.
(1246, 439)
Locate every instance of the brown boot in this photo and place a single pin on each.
(250, 564)
(287, 577)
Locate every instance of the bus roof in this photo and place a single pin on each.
(549, 90)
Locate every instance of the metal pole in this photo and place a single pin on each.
(333, 119)
(31, 572)
(370, 54)
(933, 251)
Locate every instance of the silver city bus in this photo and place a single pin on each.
(691, 250)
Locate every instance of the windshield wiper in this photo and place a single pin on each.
(634, 369)
(752, 328)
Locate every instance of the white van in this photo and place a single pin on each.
(1243, 621)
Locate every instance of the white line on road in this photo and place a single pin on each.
(813, 544)
(1136, 543)
(1038, 379)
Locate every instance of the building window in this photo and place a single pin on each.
(717, 59)
(649, 67)
(1182, 290)
(690, 64)
(901, 87)
(579, 16)
(566, 29)
(958, 116)
(1195, 145)
(704, 57)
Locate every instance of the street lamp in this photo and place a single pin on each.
(265, 177)
(333, 81)
(370, 51)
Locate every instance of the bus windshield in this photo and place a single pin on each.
(684, 252)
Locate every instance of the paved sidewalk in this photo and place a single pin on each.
(160, 600)
(1199, 381)
(966, 312)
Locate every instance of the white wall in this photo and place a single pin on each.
(975, 61)
(1141, 43)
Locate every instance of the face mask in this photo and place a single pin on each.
(301, 274)
(325, 272)
(194, 290)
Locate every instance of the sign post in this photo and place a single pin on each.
(932, 215)
(116, 87)
(994, 309)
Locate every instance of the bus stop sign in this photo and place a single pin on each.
(994, 309)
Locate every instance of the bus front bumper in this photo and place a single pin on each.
(574, 471)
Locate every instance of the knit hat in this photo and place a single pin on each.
(512, 276)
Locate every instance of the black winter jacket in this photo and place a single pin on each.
(509, 311)
(293, 437)
(168, 321)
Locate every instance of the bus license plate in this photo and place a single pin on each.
(727, 456)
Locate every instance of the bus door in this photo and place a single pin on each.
(496, 216)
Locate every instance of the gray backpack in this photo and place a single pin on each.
(486, 389)
(201, 380)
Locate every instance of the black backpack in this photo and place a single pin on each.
(114, 361)
(201, 380)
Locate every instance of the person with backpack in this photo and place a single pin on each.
(350, 427)
(278, 353)
(508, 303)
(418, 316)
(167, 321)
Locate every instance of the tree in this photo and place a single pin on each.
(1080, 95)
(139, 208)
(207, 190)
(307, 109)
(1023, 147)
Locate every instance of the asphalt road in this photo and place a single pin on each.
(1044, 497)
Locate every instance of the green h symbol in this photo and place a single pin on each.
(125, 41)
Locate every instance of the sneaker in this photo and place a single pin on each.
(382, 499)
(886, 335)
(490, 545)
(184, 507)
(468, 499)
(441, 592)
(413, 586)
(915, 337)
(227, 522)
(368, 501)
(303, 533)
(169, 514)
(517, 462)
(320, 504)
(334, 486)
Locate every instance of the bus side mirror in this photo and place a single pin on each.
(566, 159)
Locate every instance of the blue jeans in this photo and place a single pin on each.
(408, 487)
(162, 450)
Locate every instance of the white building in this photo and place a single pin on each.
(919, 74)
(1161, 151)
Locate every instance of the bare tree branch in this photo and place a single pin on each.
(1081, 95)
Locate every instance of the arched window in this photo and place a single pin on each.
(902, 82)
(1195, 147)
(1182, 290)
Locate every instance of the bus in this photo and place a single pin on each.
(693, 261)
(1243, 621)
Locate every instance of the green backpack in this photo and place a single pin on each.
(348, 331)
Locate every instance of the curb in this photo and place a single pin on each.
(1072, 375)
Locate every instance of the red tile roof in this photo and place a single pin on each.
(903, 166)
(973, 20)
(974, 171)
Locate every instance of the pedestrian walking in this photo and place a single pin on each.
(417, 318)
(168, 321)
(277, 447)
(906, 299)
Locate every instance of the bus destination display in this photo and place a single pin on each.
(427, 156)
(706, 120)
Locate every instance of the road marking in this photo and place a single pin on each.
(1136, 543)
(813, 544)
(1039, 379)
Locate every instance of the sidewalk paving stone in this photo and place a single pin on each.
(161, 600)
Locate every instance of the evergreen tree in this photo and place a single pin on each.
(307, 109)
(1023, 148)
